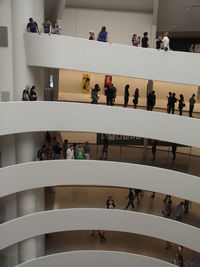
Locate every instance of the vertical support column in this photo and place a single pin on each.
(8, 204)
(29, 201)
(154, 26)
(26, 144)
(149, 90)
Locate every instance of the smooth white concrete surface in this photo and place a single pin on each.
(98, 173)
(94, 258)
(18, 117)
(92, 219)
(123, 60)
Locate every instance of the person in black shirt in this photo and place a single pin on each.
(110, 204)
(181, 104)
(145, 40)
(126, 95)
(65, 147)
(137, 192)
(130, 199)
(169, 103)
(135, 99)
(105, 148)
(159, 42)
(33, 94)
(57, 150)
(173, 101)
(151, 100)
(26, 93)
(154, 146)
(109, 95)
(174, 147)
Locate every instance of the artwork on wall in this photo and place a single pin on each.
(86, 83)
(108, 80)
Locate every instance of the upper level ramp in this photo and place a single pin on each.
(65, 52)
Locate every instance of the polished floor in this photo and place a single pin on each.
(95, 197)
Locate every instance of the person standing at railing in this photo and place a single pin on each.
(169, 102)
(159, 43)
(192, 101)
(33, 94)
(165, 42)
(26, 93)
(103, 35)
(145, 40)
(92, 35)
(47, 26)
(70, 152)
(56, 29)
(86, 150)
(135, 40)
(32, 26)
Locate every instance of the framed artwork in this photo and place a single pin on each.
(86, 83)
(108, 80)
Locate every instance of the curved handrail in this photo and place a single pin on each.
(61, 116)
(95, 258)
(98, 173)
(37, 224)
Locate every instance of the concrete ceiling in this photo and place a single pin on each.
(175, 16)
(179, 16)
(121, 5)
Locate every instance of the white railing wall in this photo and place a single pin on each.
(65, 52)
(61, 116)
(38, 174)
(37, 224)
(95, 259)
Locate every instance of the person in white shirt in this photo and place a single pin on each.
(165, 42)
(70, 152)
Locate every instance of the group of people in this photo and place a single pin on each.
(172, 100)
(29, 94)
(53, 150)
(161, 42)
(47, 27)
